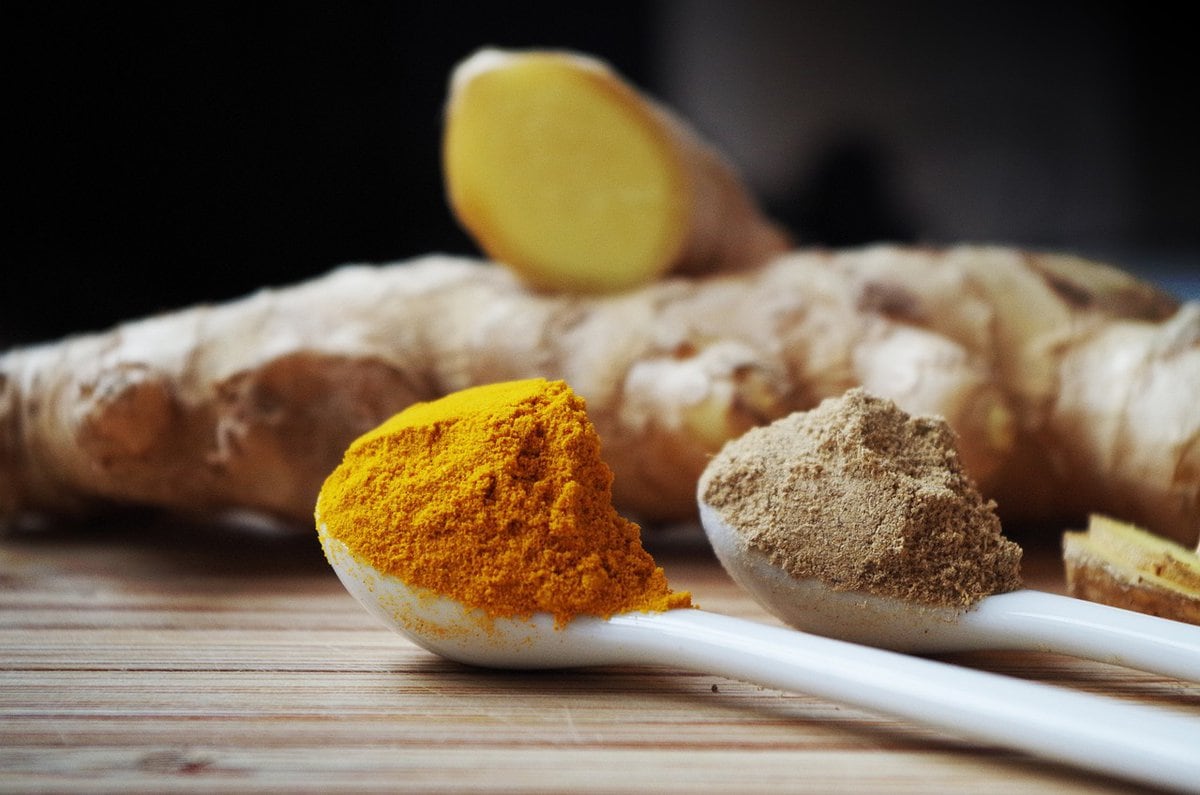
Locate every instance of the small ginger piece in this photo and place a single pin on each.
(1122, 565)
(577, 182)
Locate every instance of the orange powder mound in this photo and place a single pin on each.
(495, 496)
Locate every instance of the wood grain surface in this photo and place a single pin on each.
(141, 655)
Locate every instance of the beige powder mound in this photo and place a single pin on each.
(864, 497)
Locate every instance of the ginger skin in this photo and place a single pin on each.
(1071, 386)
(562, 171)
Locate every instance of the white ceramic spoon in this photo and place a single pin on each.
(1026, 619)
(1130, 741)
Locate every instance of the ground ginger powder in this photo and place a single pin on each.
(495, 496)
(863, 497)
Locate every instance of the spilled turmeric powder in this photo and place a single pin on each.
(495, 496)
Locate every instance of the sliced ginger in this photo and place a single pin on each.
(1122, 565)
(561, 174)
(567, 175)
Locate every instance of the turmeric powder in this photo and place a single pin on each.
(497, 497)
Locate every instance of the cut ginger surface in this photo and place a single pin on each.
(1120, 564)
(565, 173)
(553, 166)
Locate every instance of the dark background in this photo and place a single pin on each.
(165, 155)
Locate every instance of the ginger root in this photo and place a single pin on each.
(568, 175)
(1072, 387)
(1122, 565)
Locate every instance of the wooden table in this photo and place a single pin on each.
(152, 656)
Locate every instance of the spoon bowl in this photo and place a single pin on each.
(1020, 620)
(1052, 723)
(449, 629)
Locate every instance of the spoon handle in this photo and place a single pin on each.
(1050, 622)
(1131, 741)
